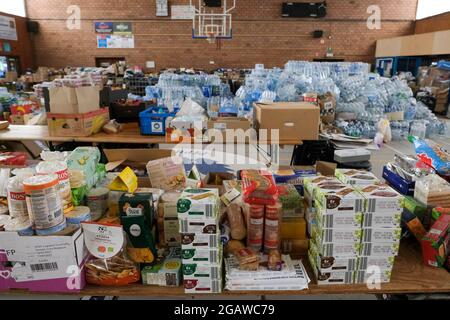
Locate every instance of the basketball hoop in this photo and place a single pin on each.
(212, 23)
(211, 38)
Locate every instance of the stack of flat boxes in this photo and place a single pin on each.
(362, 231)
(336, 229)
(198, 215)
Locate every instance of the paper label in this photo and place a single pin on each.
(231, 195)
(103, 241)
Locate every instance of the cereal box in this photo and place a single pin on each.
(358, 177)
(436, 243)
(377, 235)
(198, 203)
(334, 196)
(381, 198)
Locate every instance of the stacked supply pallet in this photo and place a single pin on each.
(198, 215)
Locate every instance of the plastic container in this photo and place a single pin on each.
(22, 226)
(154, 122)
(52, 165)
(43, 201)
(56, 229)
(97, 201)
(78, 215)
(17, 203)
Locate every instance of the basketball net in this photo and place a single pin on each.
(211, 37)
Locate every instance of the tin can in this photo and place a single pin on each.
(43, 201)
(97, 201)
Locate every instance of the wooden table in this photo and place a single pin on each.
(29, 133)
(410, 275)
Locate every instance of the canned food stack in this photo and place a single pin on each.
(335, 229)
(201, 251)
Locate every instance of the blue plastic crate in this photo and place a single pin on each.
(153, 122)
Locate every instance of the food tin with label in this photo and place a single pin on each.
(50, 231)
(43, 201)
(22, 226)
(78, 215)
(97, 201)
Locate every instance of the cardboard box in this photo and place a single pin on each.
(199, 225)
(20, 119)
(363, 276)
(381, 235)
(198, 240)
(335, 277)
(384, 263)
(199, 203)
(436, 243)
(202, 285)
(335, 197)
(215, 180)
(380, 249)
(134, 158)
(45, 262)
(68, 100)
(296, 121)
(165, 274)
(225, 123)
(358, 177)
(342, 220)
(381, 198)
(347, 250)
(201, 256)
(293, 228)
(294, 247)
(382, 219)
(329, 263)
(324, 235)
(211, 271)
(77, 124)
(168, 173)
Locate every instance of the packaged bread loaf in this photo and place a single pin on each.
(236, 221)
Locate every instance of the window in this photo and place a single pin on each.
(428, 8)
(16, 7)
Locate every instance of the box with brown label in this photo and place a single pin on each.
(329, 263)
(358, 177)
(77, 124)
(381, 198)
(335, 197)
(334, 277)
(200, 225)
(296, 121)
(199, 240)
(202, 285)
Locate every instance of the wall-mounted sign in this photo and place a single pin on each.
(115, 41)
(162, 8)
(182, 12)
(6, 46)
(103, 27)
(122, 28)
(8, 29)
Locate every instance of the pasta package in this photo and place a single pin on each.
(258, 187)
(236, 221)
(432, 154)
(109, 264)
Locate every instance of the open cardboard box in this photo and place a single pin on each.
(323, 167)
(135, 159)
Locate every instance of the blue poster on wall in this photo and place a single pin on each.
(103, 27)
(6, 47)
(102, 41)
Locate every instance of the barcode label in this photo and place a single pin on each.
(363, 263)
(213, 256)
(41, 267)
(328, 250)
(183, 226)
(359, 205)
(352, 264)
(360, 276)
(368, 217)
(215, 286)
(371, 205)
(329, 221)
(328, 235)
(213, 241)
(367, 248)
(214, 273)
(348, 277)
(367, 235)
(209, 211)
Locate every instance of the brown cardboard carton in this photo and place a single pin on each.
(77, 124)
(295, 121)
(223, 123)
(134, 158)
(20, 118)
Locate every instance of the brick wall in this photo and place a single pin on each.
(260, 35)
(22, 48)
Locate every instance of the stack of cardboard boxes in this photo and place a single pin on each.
(75, 111)
(201, 250)
(355, 229)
